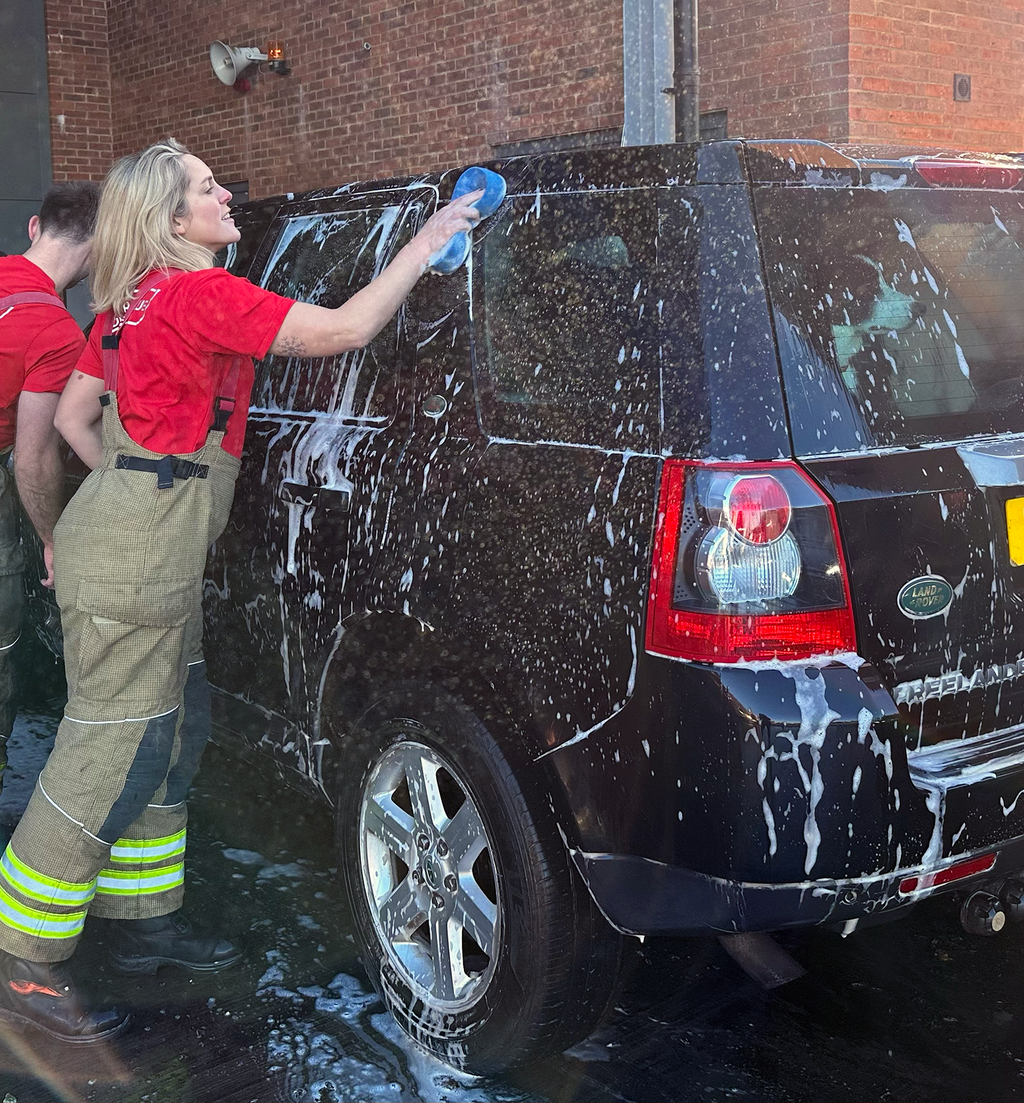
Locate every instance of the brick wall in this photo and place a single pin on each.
(392, 86)
(779, 67)
(903, 56)
(79, 80)
(378, 86)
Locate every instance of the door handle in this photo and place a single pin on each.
(329, 497)
(333, 498)
(300, 494)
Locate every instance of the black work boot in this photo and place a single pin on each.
(143, 945)
(42, 995)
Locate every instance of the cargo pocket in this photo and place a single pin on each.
(130, 645)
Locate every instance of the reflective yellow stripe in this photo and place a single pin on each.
(38, 886)
(37, 923)
(140, 882)
(147, 850)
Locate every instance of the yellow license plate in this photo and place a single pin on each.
(1015, 530)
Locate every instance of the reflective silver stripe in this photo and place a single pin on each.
(126, 720)
(37, 923)
(102, 842)
(146, 850)
(140, 882)
(28, 882)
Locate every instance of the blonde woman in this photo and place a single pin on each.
(157, 407)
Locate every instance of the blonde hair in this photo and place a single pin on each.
(141, 196)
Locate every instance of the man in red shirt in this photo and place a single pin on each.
(39, 345)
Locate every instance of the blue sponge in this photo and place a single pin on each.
(452, 255)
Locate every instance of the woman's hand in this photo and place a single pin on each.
(458, 216)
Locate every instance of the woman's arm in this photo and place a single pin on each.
(309, 330)
(78, 416)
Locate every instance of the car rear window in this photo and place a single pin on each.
(898, 313)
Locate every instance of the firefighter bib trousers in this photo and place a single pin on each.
(104, 832)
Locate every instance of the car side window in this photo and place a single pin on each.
(325, 259)
(564, 337)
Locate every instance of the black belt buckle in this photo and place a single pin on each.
(220, 414)
(164, 473)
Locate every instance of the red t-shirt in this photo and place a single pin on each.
(39, 343)
(177, 346)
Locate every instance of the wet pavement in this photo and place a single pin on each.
(915, 1010)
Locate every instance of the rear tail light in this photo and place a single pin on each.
(747, 566)
(968, 174)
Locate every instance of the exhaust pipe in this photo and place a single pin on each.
(761, 957)
(983, 914)
(1012, 895)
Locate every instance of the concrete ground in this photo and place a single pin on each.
(915, 1010)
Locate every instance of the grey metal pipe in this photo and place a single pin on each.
(686, 76)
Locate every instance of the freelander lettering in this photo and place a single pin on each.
(925, 689)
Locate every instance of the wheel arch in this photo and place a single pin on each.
(382, 655)
(564, 942)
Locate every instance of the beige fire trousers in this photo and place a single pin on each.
(104, 832)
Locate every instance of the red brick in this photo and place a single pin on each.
(441, 74)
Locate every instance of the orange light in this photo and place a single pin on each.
(275, 51)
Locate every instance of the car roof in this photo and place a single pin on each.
(793, 162)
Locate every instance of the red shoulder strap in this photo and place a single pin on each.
(111, 358)
(224, 403)
(30, 297)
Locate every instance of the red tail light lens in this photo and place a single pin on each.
(968, 174)
(747, 566)
(758, 508)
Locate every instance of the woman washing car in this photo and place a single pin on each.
(157, 407)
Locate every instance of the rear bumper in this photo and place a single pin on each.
(640, 896)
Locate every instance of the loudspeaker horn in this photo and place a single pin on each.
(230, 62)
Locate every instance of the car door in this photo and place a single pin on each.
(553, 543)
(311, 500)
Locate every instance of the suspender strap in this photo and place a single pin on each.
(43, 297)
(221, 411)
(111, 361)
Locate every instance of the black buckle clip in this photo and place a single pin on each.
(110, 340)
(220, 415)
(164, 473)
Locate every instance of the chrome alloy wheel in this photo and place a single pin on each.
(428, 876)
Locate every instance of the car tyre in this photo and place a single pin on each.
(473, 923)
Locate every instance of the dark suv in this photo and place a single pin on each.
(659, 572)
